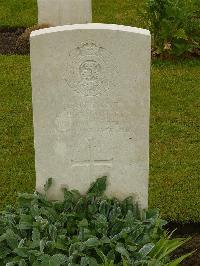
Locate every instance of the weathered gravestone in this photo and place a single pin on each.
(62, 12)
(91, 108)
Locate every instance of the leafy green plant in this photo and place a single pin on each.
(175, 26)
(83, 230)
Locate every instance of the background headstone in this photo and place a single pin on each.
(91, 101)
(63, 12)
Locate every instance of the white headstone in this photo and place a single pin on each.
(91, 101)
(63, 12)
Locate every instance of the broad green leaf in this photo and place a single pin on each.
(35, 237)
(83, 223)
(22, 263)
(57, 260)
(42, 244)
(22, 252)
(26, 222)
(146, 249)
(92, 242)
(121, 249)
(85, 261)
(44, 259)
(101, 255)
(98, 187)
(11, 238)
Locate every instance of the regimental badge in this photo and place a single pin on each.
(90, 69)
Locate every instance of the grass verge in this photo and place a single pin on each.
(174, 134)
(16, 131)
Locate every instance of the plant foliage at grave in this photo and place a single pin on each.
(175, 26)
(83, 230)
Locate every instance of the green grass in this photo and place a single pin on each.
(174, 146)
(124, 12)
(16, 131)
(18, 13)
(175, 140)
(23, 13)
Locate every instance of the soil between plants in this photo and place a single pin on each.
(8, 40)
(192, 231)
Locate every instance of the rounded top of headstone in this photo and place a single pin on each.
(91, 26)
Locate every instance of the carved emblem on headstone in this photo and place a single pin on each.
(90, 69)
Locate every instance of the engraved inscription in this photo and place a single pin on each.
(64, 121)
(105, 117)
(90, 69)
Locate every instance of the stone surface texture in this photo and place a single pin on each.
(63, 12)
(91, 103)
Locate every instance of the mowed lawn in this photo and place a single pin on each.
(18, 13)
(174, 133)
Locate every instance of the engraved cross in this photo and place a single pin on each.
(91, 162)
